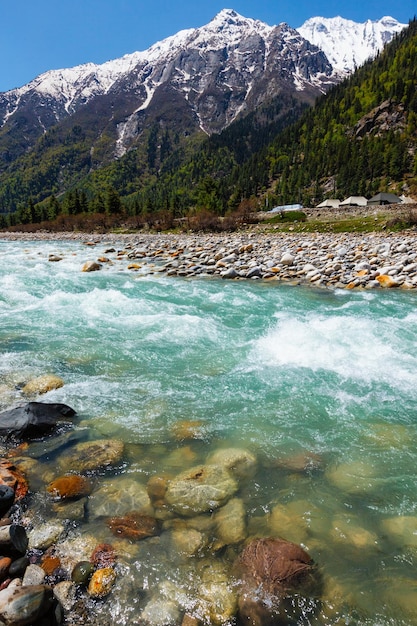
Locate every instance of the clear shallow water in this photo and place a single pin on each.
(277, 370)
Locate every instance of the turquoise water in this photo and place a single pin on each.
(277, 370)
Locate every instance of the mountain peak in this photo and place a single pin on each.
(348, 44)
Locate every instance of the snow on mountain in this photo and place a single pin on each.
(223, 68)
(200, 77)
(349, 44)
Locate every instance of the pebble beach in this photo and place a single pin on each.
(342, 261)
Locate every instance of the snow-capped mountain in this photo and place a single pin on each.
(201, 78)
(229, 66)
(348, 44)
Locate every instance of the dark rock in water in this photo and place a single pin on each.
(279, 583)
(34, 419)
(82, 572)
(18, 567)
(13, 539)
(6, 498)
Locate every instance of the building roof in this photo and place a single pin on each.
(384, 198)
(355, 201)
(330, 202)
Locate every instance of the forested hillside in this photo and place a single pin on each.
(359, 139)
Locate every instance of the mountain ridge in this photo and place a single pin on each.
(198, 80)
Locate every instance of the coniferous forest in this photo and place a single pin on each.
(360, 138)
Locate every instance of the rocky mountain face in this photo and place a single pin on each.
(199, 79)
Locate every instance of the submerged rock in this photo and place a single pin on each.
(69, 487)
(200, 489)
(134, 526)
(160, 612)
(119, 496)
(241, 463)
(278, 582)
(24, 605)
(92, 455)
(101, 582)
(34, 419)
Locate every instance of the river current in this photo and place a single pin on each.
(284, 372)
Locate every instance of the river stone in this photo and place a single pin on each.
(42, 384)
(240, 462)
(200, 489)
(82, 572)
(386, 281)
(6, 498)
(92, 455)
(101, 582)
(134, 526)
(402, 530)
(65, 593)
(346, 531)
(75, 549)
(34, 575)
(34, 419)
(217, 598)
(20, 606)
(353, 477)
(284, 521)
(188, 541)
(72, 486)
(91, 266)
(287, 259)
(275, 575)
(230, 522)
(160, 612)
(45, 535)
(117, 497)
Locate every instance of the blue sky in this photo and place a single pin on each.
(50, 34)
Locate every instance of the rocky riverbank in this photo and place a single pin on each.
(344, 261)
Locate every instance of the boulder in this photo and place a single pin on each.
(24, 605)
(69, 487)
(42, 384)
(92, 455)
(386, 281)
(134, 526)
(119, 496)
(239, 462)
(91, 266)
(230, 522)
(200, 489)
(34, 419)
(278, 581)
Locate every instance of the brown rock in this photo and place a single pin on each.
(103, 555)
(11, 476)
(91, 266)
(5, 563)
(387, 281)
(72, 486)
(101, 582)
(134, 526)
(275, 575)
(156, 487)
(50, 563)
